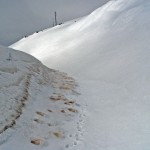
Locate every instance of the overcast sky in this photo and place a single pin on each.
(22, 17)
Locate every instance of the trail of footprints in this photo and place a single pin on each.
(78, 136)
(20, 104)
(61, 106)
(69, 109)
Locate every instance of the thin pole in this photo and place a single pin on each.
(55, 18)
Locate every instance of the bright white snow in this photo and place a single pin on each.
(109, 54)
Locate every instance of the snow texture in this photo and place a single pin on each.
(39, 107)
(108, 52)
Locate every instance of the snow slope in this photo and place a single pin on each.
(39, 106)
(108, 52)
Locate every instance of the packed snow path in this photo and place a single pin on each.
(39, 107)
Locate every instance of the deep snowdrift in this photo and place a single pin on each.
(38, 106)
(105, 41)
(109, 52)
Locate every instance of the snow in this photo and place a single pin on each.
(108, 53)
(37, 104)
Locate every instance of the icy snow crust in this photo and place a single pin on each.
(38, 107)
(108, 52)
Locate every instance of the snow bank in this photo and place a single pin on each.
(38, 105)
(107, 37)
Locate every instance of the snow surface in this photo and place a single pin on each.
(108, 52)
(37, 104)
